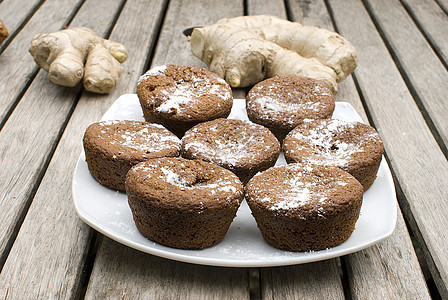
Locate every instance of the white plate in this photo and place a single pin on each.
(108, 212)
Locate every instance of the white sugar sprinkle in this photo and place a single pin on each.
(152, 72)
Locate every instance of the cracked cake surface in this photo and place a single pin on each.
(283, 102)
(304, 207)
(180, 97)
(113, 147)
(243, 147)
(352, 146)
(182, 203)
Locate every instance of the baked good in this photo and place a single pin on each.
(180, 97)
(113, 147)
(352, 146)
(243, 147)
(281, 103)
(304, 207)
(183, 203)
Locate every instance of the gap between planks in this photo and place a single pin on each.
(52, 150)
(395, 56)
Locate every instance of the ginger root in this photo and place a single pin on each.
(245, 50)
(3, 32)
(73, 54)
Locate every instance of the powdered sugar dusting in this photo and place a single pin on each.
(172, 177)
(152, 72)
(325, 137)
(297, 186)
(289, 106)
(222, 152)
(185, 180)
(188, 93)
(185, 94)
(227, 150)
(141, 138)
(296, 193)
(276, 105)
(176, 99)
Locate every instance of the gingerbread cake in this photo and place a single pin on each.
(180, 97)
(304, 207)
(113, 147)
(352, 146)
(180, 203)
(283, 102)
(243, 147)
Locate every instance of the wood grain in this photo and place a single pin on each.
(275, 8)
(17, 65)
(433, 21)
(14, 14)
(32, 130)
(319, 280)
(143, 276)
(53, 242)
(391, 265)
(443, 4)
(412, 150)
(422, 67)
(172, 46)
(147, 276)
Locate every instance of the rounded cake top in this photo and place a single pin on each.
(303, 188)
(285, 101)
(230, 143)
(132, 139)
(184, 92)
(186, 184)
(333, 142)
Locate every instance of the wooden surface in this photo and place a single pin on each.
(399, 87)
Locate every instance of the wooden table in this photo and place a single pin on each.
(400, 87)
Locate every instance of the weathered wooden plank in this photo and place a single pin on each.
(36, 123)
(53, 242)
(143, 276)
(275, 8)
(14, 14)
(172, 46)
(312, 13)
(316, 14)
(319, 280)
(443, 4)
(158, 276)
(412, 150)
(393, 264)
(433, 20)
(17, 65)
(427, 76)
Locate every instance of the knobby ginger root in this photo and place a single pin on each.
(73, 54)
(3, 32)
(245, 50)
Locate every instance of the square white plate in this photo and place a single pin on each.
(107, 211)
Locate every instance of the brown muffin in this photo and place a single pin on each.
(183, 203)
(352, 146)
(304, 207)
(243, 147)
(180, 97)
(283, 102)
(113, 147)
